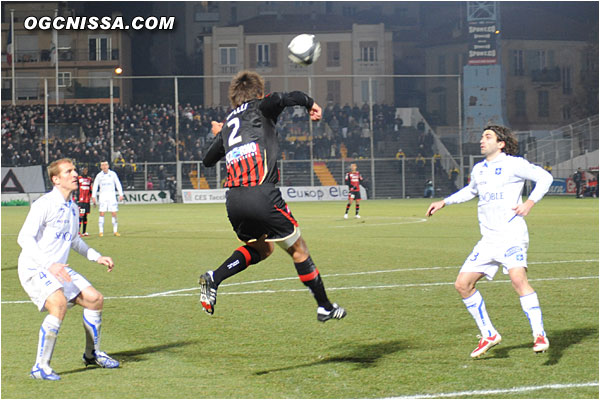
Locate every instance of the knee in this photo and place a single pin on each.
(465, 288)
(95, 300)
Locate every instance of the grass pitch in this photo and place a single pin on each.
(406, 334)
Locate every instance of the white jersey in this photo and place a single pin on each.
(50, 231)
(109, 184)
(499, 184)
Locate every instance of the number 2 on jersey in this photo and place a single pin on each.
(233, 139)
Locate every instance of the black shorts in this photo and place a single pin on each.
(260, 210)
(84, 208)
(355, 194)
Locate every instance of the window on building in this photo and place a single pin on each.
(517, 63)
(263, 55)
(368, 51)
(333, 54)
(99, 48)
(334, 91)
(228, 55)
(567, 87)
(520, 103)
(64, 79)
(543, 104)
(441, 64)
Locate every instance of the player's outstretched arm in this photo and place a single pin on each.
(433, 207)
(315, 112)
(216, 127)
(106, 261)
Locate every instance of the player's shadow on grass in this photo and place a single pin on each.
(363, 356)
(559, 342)
(137, 355)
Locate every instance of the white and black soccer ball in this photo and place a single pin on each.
(304, 49)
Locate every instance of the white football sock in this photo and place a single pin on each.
(101, 224)
(92, 321)
(114, 222)
(476, 306)
(47, 339)
(531, 307)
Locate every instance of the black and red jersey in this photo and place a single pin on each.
(85, 189)
(249, 139)
(353, 180)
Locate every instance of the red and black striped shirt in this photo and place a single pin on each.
(249, 140)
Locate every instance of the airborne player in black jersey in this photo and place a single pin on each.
(248, 140)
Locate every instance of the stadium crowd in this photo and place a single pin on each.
(146, 132)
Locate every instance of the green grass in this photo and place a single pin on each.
(407, 332)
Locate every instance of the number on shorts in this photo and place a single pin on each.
(475, 255)
(233, 139)
(42, 275)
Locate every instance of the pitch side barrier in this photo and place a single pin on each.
(289, 194)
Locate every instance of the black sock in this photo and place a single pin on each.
(241, 258)
(84, 224)
(309, 275)
(357, 208)
(347, 207)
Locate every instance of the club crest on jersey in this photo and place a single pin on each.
(498, 171)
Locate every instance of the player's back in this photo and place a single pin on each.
(251, 146)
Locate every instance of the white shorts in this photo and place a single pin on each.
(486, 257)
(108, 205)
(39, 283)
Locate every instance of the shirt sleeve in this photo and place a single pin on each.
(95, 187)
(542, 178)
(118, 183)
(273, 104)
(215, 152)
(28, 234)
(464, 194)
(82, 248)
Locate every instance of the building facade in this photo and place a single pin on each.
(351, 57)
(86, 60)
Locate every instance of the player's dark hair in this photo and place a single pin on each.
(503, 134)
(54, 167)
(246, 86)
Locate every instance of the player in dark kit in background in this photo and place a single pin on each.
(85, 195)
(258, 214)
(353, 180)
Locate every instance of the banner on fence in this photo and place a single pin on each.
(23, 180)
(289, 194)
(559, 186)
(146, 197)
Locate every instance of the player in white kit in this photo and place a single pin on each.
(46, 238)
(108, 183)
(498, 181)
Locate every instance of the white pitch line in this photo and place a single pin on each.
(175, 292)
(556, 386)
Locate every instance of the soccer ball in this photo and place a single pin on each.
(304, 49)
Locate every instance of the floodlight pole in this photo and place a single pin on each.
(178, 164)
(372, 134)
(46, 157)
(310, 133)
(112, 126)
